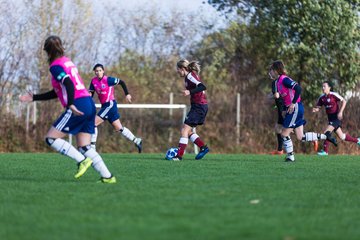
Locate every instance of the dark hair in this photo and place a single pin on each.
(54, 48)
(278, 66)
(98, 65)
(330, 85)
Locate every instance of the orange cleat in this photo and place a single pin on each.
(316, 146)
(276, 152)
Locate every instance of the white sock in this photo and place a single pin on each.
(127, 134)
(184, 140)
(65, 148)
(311, 136)
(94, 138)
(98, 163)
(193, 137)
(343, 136)
(288, 145)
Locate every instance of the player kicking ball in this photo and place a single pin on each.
(195, 88)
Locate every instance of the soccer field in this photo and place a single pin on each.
(219, 197)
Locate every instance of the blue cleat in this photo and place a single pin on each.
(203, 151)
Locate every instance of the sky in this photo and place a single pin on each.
(200, 6)
(167, 4)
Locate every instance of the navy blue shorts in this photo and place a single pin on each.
(196, 115)
(334, 121)
(109, 111)
(295, 119)
(69, 123)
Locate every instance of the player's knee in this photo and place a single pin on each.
(185, 132)
(84, 149)
(49, 141)
(285, 137)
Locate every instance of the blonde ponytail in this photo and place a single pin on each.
(189, 66)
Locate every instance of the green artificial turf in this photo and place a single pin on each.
(219, 197)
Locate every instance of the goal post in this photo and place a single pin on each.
(157, 106)
(153, 106)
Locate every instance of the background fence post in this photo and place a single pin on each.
(171, 132)
(238, 119)
(27, 117)
(34, 113)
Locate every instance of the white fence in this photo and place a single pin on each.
(31, 112)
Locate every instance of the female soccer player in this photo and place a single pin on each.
(330, 100)
(290, 92)
(278, 126)
(79, 115)
(104, 87)
(199, 107)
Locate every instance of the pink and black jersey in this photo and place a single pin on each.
(285, 87)
(61, 68)
(330, 102)
(104, 88)
(191, 82)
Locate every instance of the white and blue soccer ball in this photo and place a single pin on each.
(171, 152)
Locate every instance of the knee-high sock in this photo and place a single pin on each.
(280, 142)
(311, 136)
(98, 163)
(326, 146)
(349, 138)
(94, 138)
(196, 139)
(182, 146)
(127, 134)
(288, 145)
(65, 148)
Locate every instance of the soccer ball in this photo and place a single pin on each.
(171, 152)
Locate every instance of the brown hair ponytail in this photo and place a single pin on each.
(54, 48)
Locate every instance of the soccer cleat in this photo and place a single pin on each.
(331, 139)
(203, 151)
(138, 144)
(290, 158)
(322, 153)
(316, 145)
(111, 179)
(358, 143)
(82, 167)
(276, 152)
